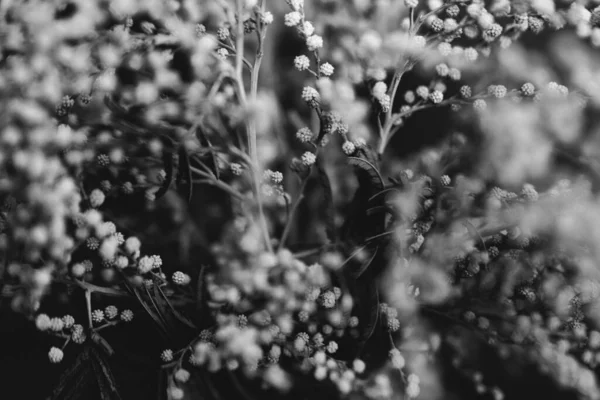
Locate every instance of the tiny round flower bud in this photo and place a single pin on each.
(56, 324)
(396, 358)
(96, 198)
(69, 321)
(528, 89)
(437, 25)
(314, 42)
(445, 180)
(442, 69)
(348, 148)
(179, 278)
(304, 135)
(332, 347)
(308, 158)
(465, 92)
(267, 18)
(111, 312)
(126, 315)
(301, 63)
(436, 97)
(422, 92)
(326, 69)
(310, 95)
(97, 316)
(480, 104)
(411, 3)
(166, 355)
(55, 355)
(223, 53)
(42, 322)
(292, 19)
(182, 375)
(236, 169)
(327, 299)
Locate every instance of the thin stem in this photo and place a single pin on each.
(252, 143)
(88, 302)
(239, 49)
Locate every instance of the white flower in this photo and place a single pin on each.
(267, 18)
(326, 69)
(97, 198)
(307, 28)
(314, 42)
(310, 94)
(304, 135)
(308, 158)
(301, 63)
(55, 355)
(348, 148)
(379, 90)
(293, 18)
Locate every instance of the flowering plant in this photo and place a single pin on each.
(341, 199)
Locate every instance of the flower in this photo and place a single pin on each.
(436, 97)
(314, 42)
(97, 316)
(326, 69)
(182, 375)
(332, 347)
(411, 3)
(181, 279)
(304, 135)
(42, 322)
(310, 95)
(68, 321)
(267, 18)
(348, 148)
(301, 63)
(308, 158)
(528, 89)
(166, 355)
(96, 198)
(55, 355)
(111, 312)
(126, 315)
(293, 18)
(396, 358)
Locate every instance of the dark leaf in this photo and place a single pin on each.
(184, 173)
(328, 208)
(375, 178)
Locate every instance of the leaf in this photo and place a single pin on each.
(159, 292)
(106, 382)
(74, 379)
(373, 317)
(375, 177)
(328, 208)
(358, 225)
(169, 161)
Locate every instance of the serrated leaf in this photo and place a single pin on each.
(329, 208)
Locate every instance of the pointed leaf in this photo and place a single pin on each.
(329, 208)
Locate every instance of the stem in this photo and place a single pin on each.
(88, 302)
(253, 148)
(239, 50)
